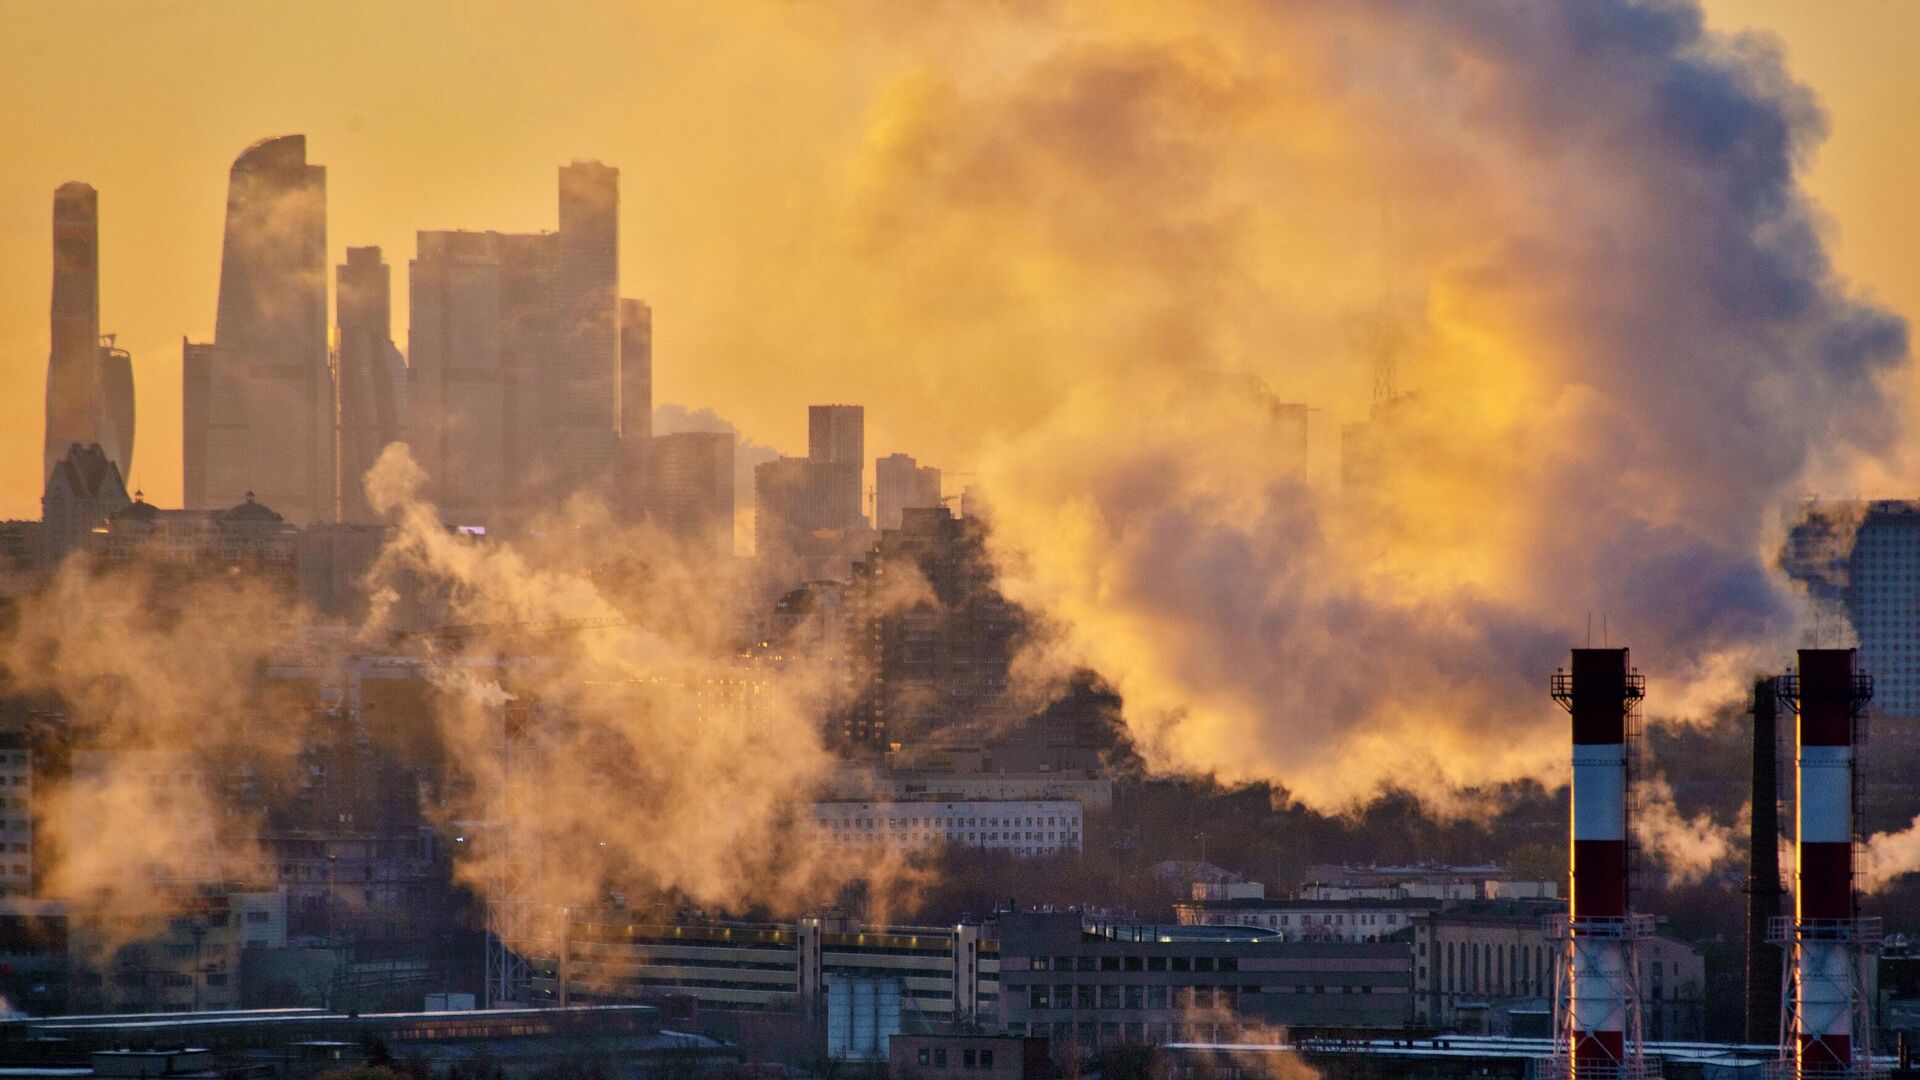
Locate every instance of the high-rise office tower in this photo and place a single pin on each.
(582, 377)
(837, 434)
(527, 332)
(900, 482)
(690, 490)
(935, 669)
(266, 420)
(116, 413)
(196, 387)
(636, 408)
(455, 386)
(369, 375)
(806, 520)
(89, 381)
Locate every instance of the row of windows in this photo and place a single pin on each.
(1304, 920)
(949, 824)
(969, 839)
(1135, 963)
(969, 1059)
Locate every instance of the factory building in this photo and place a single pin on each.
(1094, 986)
(947, 974)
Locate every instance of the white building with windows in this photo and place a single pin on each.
(1310, 919)
(1024, 828)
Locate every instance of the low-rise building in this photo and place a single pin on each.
(1309, 919)
(967, 1057)
(1479, 965)
(1092, 986)
(947, 974)
(181, 954)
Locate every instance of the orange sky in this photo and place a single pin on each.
(735, 126)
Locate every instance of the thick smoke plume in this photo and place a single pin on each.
(1555, 253)
(159, 681)
(604, 730)
(644, 756)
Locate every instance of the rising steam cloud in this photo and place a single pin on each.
(1109, 255)
(1575, 227)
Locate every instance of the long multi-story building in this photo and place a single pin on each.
(249, 539)
(947, 974)
(259, 409)
(1104, 985)
(1024, 828)
(1298, 919)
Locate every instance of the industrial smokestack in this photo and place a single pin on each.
(1763, 871)
(1826, 1011)
(1597, 1017)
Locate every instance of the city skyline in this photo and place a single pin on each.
(1084, 538)
(389, 179)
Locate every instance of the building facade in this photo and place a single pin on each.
(265, 422)
(900, 482)
(690, 493)
(83, 493)
(16, 813)
(1488, 967)
(248, 540)
(1023, 828)
(930, 636)
(807, 521)
(1096, 986)
(89, 379)
(1309, 919)
(370, 375)
(836, 435)
(947, 975)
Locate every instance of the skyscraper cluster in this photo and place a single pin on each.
(510, 395)
(525, 378)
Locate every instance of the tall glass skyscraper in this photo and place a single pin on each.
(265, 424)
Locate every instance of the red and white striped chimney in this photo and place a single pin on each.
(1599, 1006)
(1823, 978)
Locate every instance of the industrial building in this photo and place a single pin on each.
(1104, 985)
(294, 1044)
(947, 975)
(1309, 919)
